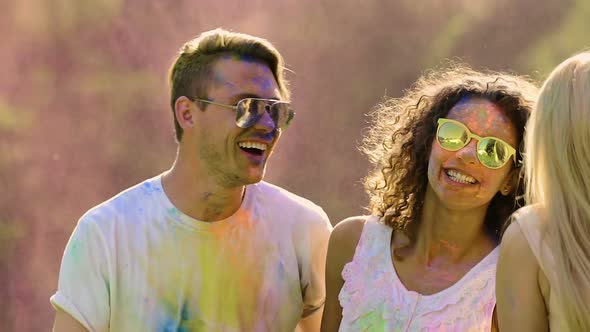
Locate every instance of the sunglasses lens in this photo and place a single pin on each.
(492, 153)
(282, 114)
(451, 136)
(250, 110)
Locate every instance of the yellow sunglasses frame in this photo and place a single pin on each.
(470, 135)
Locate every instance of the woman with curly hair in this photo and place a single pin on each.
(549, 244)
(445, 180)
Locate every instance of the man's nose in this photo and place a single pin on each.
(265, 123)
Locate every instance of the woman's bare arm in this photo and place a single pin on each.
(520, 303)
(341, 248)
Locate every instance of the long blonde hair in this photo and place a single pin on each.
(557, 163)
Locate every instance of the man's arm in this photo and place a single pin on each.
(315, 247)
(520, 303)
(341, 250)
(310, 323)
(65, 323)
(83, 293)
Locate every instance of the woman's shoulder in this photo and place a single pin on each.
(521, 242)
(528, 214)
(529, 220)
(345, 238)
(349, 230)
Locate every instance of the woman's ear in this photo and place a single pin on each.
(510, 183)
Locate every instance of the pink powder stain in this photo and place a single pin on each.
(484, 119)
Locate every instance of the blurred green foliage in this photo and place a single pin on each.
(569, 36)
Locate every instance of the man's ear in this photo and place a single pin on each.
(510, 183)
(183, 109)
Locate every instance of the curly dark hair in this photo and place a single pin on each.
(402, 130)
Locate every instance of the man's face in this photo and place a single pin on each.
(233, 156)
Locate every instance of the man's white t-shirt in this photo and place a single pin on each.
(137, 263)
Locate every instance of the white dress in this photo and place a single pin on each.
(374, 299)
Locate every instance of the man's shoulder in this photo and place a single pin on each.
(285, 201)
(271, 192)
(126, 202)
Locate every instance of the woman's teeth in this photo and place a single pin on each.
(461, 178)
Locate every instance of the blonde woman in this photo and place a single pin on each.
(543, 275)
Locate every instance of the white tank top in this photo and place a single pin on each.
(374, 299)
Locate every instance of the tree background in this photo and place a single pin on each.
(84, 100)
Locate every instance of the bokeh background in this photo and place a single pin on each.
(84, 100)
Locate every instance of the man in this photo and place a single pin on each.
(205, 246)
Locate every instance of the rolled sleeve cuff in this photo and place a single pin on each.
(61, 302)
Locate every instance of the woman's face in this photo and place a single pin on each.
(458, 178)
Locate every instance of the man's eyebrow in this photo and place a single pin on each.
(241, 96)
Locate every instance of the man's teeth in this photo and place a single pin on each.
(253, 145)
(461, 178)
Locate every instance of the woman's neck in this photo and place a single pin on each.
(450, 234)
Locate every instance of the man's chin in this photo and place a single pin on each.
(256, 176)
(253, 179)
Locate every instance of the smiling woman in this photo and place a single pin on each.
(445, 179)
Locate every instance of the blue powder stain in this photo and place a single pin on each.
(264, 83)
(238, 57)
(184, 313)
(184, 320)
(169, 325)
(269, 136)
(174, 213)
(147, 188)
(464, 100)
(172, 325)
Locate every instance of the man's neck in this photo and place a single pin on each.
(198, 196)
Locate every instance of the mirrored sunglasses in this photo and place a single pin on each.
(250, 110)
(492, 152)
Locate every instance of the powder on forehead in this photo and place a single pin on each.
(257, 75)
(261, 78)
(479, 109)
(485, 118)
(244, 58)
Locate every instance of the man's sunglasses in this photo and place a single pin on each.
(250, 110)
(492, 152)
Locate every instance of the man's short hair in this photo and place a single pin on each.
(190, 74)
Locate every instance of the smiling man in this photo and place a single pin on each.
(205, 246)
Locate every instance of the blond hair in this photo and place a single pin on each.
(557, 164)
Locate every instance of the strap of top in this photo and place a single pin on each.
(375, 237)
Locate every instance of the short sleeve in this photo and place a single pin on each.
(83, 287)
(313, 269)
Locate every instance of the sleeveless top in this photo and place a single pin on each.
(374, 299)
(531, 226)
